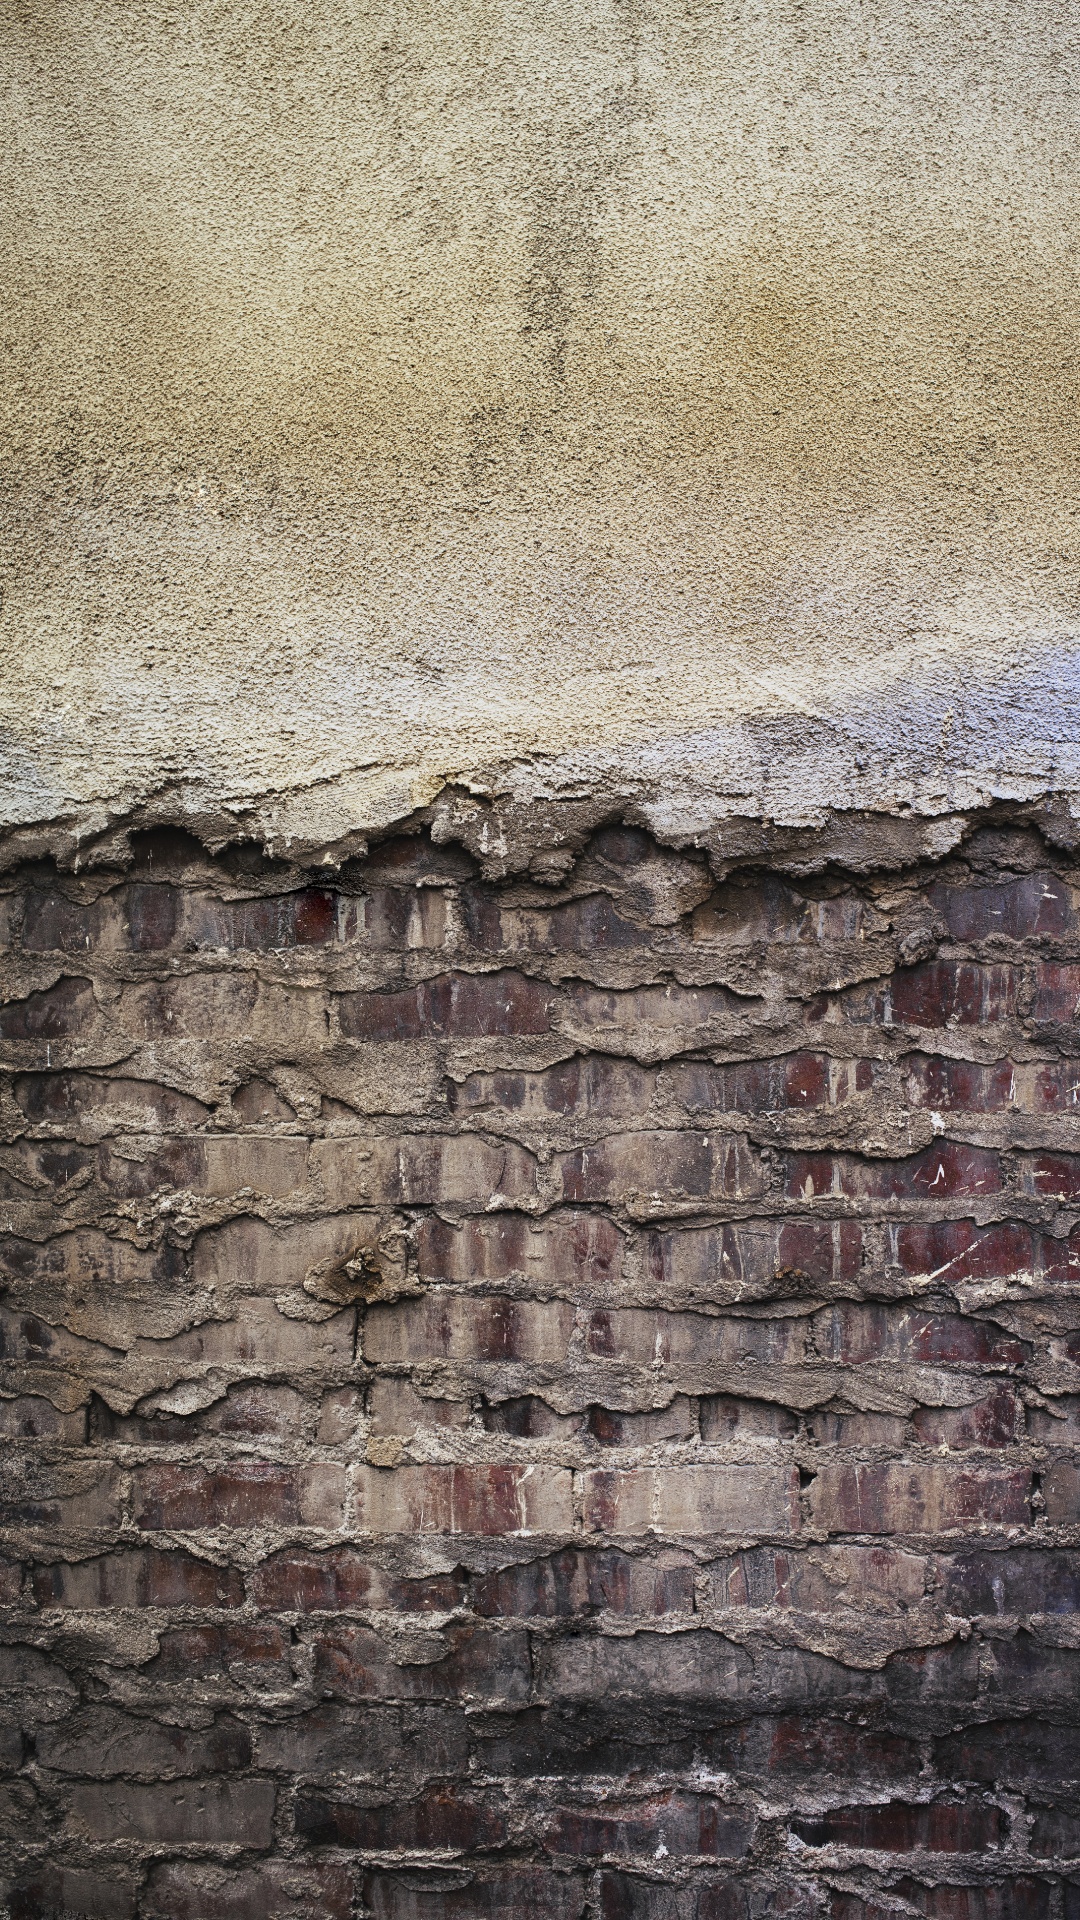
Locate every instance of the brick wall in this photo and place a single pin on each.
(542, 1400)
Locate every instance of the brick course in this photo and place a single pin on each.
(526, 1399)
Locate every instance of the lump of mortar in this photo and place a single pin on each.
(375, 1270)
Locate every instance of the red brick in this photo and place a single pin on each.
(1053, 1175)
(582, 1250)
(55, 1014)
(997, 1421)
(674, 1422)
(468, 1327)
(246, 1494)
(1001, 1753)
(273, 923)
(940, 1827)
(678, 1823)
(254, 1652)
(463, 1006)
(397, 919)
(576, 1581)
(956, 1250)
(692, 1500)
(742, 1260)
(140, 1578)
(855, 1330)
(447, 1819)
(938, 993)
(930, 1497)
(271, 1890)
(215, 1811)
(468, 1499)
(298, 1581)
(962, 1086)
(939, 1172)
(656, 1166)
(1057, 993)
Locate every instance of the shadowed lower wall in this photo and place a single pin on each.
(542, 1399)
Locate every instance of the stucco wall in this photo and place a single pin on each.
(649, 398)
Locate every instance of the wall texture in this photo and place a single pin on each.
(667, 399)
(546, 1400)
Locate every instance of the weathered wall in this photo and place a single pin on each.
(543, 1400)
(667, 400)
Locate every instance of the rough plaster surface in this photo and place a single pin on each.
(667, 402)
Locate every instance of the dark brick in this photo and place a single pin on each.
(918, 1496)
(55, 1892)
(1057, 993)
(353, 1663)
(140, 1578)
(55, 1014)
(500, 1893)
(274, 1890)
(246, 1494)
(576, 1581)
(1055, 1834)
(582, 1249)
(256, 1651)
(233, 1812)
(682, 1823)
(457, 1005)
(1012, 1899)
(139, 1105)
(997, 1421)
(1002, 1753)
(1036, 904)
(942, 1826)
(305, 1582)
(447, 1818)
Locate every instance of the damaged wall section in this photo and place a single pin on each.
(542, 1398)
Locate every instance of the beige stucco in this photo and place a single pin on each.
(673, 397)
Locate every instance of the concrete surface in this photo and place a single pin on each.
(663, 401)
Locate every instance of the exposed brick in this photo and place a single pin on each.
(743, 1260)
(446, 1819)
(143, 1577)
(903, 1496)
(655, 1166)
(938, 993)
(45, 1890)
(353, 1663)
(473, 1499)
(941, 1172)
(680, 1823)
(638, 1335)
(275, 1890)
(1011, 1899)
(502, 1893)
(1021, 909)
(1011, 1753)
(1061, 1491)
(692, 1500)
(997, 1421)
(301, 1581)
(940, 1827)
(85, 1099)
(582, 1582)
(102, 1744)
(453, 1327)
(1057, 993)
(215, 1811)
(457, 1005)
(1057, 1175)
(242, 1495)
(424, 1170)
(582, 1249)
(855, 1331)
(55, 1014)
